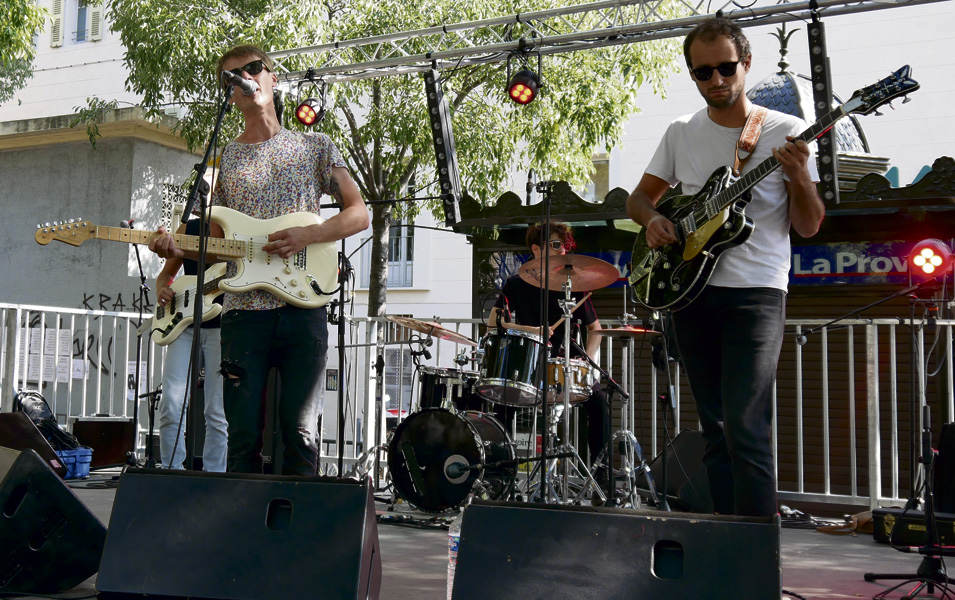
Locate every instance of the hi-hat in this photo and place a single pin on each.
(625, 331)
(586, 272)
(433, 329)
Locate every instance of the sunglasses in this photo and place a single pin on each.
(727, 69)
(556, 244)
(253, 68)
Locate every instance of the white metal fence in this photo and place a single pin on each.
(842, 434)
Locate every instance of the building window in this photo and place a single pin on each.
(82, 21)
(400, 257)
(399, 378)
(599, 185)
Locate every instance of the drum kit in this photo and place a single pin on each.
(447, 451)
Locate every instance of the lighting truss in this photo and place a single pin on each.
(579, 27)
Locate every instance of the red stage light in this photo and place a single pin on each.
(930, 258)
(522, 88)
(309, 112)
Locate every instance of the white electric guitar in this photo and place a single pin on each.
(306, 279)
(169, 320)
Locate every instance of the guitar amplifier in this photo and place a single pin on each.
(890, 526)
(109, 437)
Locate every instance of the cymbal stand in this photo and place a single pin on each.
(567, 304)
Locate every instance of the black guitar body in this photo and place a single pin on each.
(665, 277)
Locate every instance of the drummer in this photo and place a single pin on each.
(522, 302)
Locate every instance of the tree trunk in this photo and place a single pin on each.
(378, 276)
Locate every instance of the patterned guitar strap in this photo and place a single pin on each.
(748, 137)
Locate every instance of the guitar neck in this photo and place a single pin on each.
(190, 243)
(734, 191)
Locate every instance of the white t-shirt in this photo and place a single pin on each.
(693, 148)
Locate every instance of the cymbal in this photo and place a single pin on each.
(586, 272)
(432, 329)
(625, 331)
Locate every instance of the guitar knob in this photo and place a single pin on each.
(666, 265)
(293, 282)
(302, 294)
(661, 285)
(287, 270)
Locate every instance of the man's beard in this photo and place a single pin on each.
(724, 102)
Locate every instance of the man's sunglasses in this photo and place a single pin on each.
(727, 69)
(253, 68)
(556, 244)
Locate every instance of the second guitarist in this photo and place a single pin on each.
(730, 336)
(175, 378)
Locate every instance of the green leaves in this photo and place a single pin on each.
(20, 21)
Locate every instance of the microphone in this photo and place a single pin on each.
(507, 309)
(127, 224)
(247, 86)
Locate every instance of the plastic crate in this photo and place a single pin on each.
(76, 461)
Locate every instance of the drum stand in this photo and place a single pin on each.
(573, 464)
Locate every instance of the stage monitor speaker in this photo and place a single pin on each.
(49, 541)
(18, 432)
(241, 537)
(688, 487)
(526, 551)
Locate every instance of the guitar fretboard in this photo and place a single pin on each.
(215, 246)
(720, 201)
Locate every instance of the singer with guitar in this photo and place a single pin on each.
(730, 333)
(269, 172)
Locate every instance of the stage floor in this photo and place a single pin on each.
(414, 559)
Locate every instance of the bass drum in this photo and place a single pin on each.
(429, 449)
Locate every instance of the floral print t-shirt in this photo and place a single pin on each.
(285, 174)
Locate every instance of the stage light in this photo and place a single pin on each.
(526, 83)
(930, 258)
(309, 112)
(522, 88)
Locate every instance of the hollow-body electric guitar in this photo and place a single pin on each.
(714, 219)
(169, 320)
(306, 279)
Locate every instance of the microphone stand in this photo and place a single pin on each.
(199, 191)
(545, 187)
(132, 458)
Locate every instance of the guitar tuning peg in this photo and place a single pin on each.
(47, 224)
(906, 99)
(890, 106)
(877, 113)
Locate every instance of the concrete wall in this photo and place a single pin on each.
(121, 179)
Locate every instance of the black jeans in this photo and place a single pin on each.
(294, 340)
(729, 341)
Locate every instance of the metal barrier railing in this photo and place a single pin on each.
(842, 430)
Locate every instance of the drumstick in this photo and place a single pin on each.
(561, 320)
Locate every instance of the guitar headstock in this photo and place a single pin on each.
(869, 98)
(73, 232)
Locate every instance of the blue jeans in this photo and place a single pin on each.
(175, 381)
(295, 340)
(729, 342)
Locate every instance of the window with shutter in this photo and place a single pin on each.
(56, 32)
(96, 23)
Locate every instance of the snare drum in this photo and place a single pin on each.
(510, 367)
(440, 387)
(430, 453)
(581, 380)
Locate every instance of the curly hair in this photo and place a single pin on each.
(561, 230)
(709, 30)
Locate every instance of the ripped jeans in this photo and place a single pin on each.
(295, 341)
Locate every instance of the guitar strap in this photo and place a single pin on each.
(749, 136)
